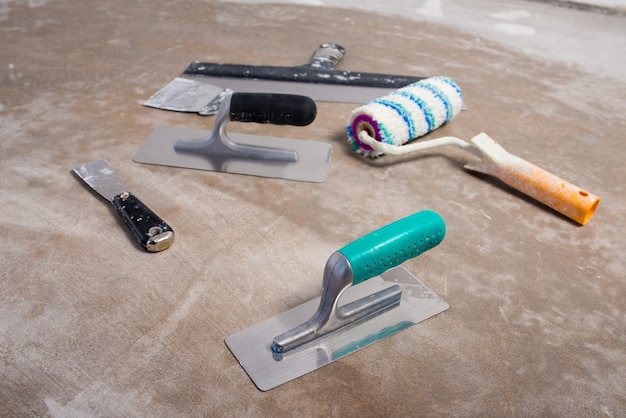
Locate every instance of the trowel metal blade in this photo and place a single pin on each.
(252, 346)
(312, 165)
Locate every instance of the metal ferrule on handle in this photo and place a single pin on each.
(558, 194)
(367, 257)
(147, 227)
(327, 56)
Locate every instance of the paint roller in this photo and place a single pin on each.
(389, 124)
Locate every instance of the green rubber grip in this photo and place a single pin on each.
(393, 244)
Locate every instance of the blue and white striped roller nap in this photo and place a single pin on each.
(405, 114)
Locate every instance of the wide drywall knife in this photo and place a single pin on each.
(147, 228)
(201, 86)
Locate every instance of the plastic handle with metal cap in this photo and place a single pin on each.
(367, 257)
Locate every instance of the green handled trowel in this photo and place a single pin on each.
(379, 298)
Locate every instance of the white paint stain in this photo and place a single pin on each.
(118, 42)
(511, 15)
(431, 8)
(503, 314)
(301, 2)
(514, 29)
(109, 401)
(37, 3)
(5, 7)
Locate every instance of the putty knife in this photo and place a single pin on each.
(201, 86)
(215, 150)
(148, 229)
(379, 298)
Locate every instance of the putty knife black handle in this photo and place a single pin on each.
(393, 244)
(278, 109)
(149, 230)
(321, 70)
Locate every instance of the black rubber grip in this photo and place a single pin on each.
(148, 229)
(278, 109)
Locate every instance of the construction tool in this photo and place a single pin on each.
(406, 114)
(216, 150)
(203, 86)
(379, 298)
(148, 229)
(388, 124)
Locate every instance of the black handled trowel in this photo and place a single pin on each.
(256, 155)
(378, 297)
(201, 87)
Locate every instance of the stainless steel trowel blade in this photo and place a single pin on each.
(312, 165)
(252, 346)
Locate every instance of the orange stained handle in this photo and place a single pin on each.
(562, 196)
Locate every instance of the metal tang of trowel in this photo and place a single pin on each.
(256, 155)
(202, 86)
(379, 298)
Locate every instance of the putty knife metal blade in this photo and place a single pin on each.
(253, 346)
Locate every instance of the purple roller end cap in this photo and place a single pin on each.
(371, 124)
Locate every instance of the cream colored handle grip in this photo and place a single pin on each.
(562, 196)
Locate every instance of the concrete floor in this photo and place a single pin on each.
(92, 325)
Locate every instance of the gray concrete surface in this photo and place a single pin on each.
(91, 325)
(566, 35)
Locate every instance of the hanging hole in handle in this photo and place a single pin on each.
(155, 230)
